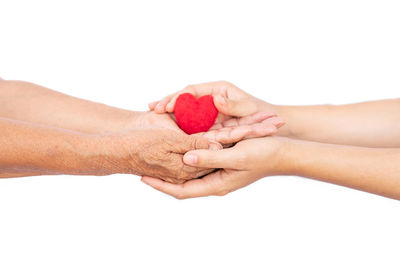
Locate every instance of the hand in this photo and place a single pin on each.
(150, 119)
(241, 165)
(241, 116)
(156, 152)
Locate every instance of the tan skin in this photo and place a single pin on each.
(356, 145)
(30, 149)
(47, 132)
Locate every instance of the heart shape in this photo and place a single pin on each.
(195, 115)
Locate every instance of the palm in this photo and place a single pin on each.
(228, 129)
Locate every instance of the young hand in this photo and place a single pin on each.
(241, 165)
(241, 116)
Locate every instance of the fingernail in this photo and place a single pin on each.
(190, 159)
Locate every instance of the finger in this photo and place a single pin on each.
(203, 143)
(180, 172)
(251, 119)
(173, 180)
(160, 107)
(278, 122)
(235, 134)
(171, 104)
(261, 130)
(161, 185)
(226, 158)
(198, 90)
(193, 142)
(234, 108)
(190, 172)
(152, 105)
(209, 185)
(228, 135)
(189, 89)
(247, 120)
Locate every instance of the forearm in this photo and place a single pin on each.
(27, 149)
(368, 169)
(33, 103)
(371, 124)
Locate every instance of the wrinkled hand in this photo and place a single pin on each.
(241, 165)
(241, 116)
(157, 152)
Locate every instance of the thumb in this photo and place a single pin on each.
(224, 159)
(235, 108)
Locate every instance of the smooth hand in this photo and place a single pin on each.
(241, 165)
(241, 116)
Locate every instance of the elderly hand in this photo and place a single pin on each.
(241, 116)
(150, 119)
(156, 152)
(241, 165)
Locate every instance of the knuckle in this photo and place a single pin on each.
(194, 142)
(181, 175)
(149, 158)
(199, 143)
(186, 172)
(177, 169)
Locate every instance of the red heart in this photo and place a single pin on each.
(195, 115)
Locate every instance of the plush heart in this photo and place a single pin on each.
(195, 115)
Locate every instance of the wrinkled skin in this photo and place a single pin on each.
(157, 152)
(162, 154)
(239, 166)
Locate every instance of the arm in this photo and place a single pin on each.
(31, 149)
(28, 149)
(33, 103)
(372, 124)
(374, 170)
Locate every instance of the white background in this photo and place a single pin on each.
(128, 53)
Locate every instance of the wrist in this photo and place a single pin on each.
(94, 156)
(127, 121)
(300, 156)
(285, 113)
(75, 154)
(113, 154)
(287, 156)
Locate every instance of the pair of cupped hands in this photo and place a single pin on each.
(232, 154)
